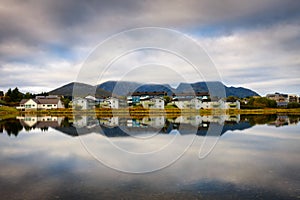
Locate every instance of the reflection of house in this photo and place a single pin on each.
(80, 121)
(109, 121)
(193, 120)
(283, 120)
(41, 102)
(232, 105)
(156, 102)
(40, 121)
(198, 120)
(156, 122)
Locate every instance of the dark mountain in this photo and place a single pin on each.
(240, 92)
(123, 88)
(82, 89)
(203, 87)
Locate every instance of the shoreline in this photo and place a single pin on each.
(146, 112)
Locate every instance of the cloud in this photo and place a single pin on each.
(42, 33)
(259, 58)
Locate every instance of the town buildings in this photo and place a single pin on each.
(282, 100)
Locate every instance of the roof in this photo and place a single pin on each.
(191, 94)
(149, 93)
(47, 100)
(53, 100)
(23, 101)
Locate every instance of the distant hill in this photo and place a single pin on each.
(82, 89)
(230, 91)
(123, 88)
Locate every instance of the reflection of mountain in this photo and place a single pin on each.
(120, 126)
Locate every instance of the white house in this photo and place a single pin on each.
(84, 103)
(156, 103)
(80, 103)
(112, 102)
(181, 104)
(195, 103)
(41, 102)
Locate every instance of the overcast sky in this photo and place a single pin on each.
(253, 44)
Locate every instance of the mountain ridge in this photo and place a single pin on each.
(123, 88)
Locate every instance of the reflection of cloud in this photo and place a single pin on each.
(53, 163)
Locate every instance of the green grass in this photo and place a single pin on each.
(8, 112)
(6, 109)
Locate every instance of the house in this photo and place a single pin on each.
(156, 103)
(293, 98)
(85, 103)
(190, 100)
(278, 97)
(41, 103)
(182, 103)
(203, 96)
(195, 103)
(137, 97)
(112, 102)
(282, 100)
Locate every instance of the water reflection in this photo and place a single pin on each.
(261, 162)
(127, 126)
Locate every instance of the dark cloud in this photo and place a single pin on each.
(39, 33)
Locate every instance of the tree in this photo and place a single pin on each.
(232, 99)
(28, 95)
(293, 105)
(66, 102)
(7, 97)
(16, 96)
(262, 102)
(167, 99)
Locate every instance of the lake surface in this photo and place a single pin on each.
(183, 157)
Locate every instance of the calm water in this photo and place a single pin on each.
(187, 157)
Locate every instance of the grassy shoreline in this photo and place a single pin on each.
(5, 111)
